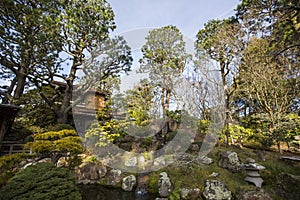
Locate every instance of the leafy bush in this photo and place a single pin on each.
(9, 166)
(64, 143)
(41, 181)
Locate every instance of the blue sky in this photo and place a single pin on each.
(188, 15)
(134, 18)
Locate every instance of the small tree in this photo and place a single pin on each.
(64, 143)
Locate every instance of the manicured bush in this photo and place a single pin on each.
(9, 166)
(41, 181)
(56, 144)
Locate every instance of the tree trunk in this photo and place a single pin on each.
(67, 95)
(279, 147)
(20, 85)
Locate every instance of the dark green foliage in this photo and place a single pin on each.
(9, 165)
(59, 127)
(41, 181)
(139, 101)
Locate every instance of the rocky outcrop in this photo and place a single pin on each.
(90, 172)
(216, 190)
(254, 194)
(164, 185)
(128, 183)
(230, 160)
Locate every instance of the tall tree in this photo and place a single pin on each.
(29, 43)
(84, 25)
(164, 58)
(279, 18)
(222, 42)
(265, 81)
(35, 34)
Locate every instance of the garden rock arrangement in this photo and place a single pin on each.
(164, 185)
(90, 172)
(114, 177)
(230, 160)
(215, 189)
(128, 183)
(252, 170)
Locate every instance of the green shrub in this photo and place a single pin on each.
(41, 181)
(59, 127)
(56, 144)
(9, 166)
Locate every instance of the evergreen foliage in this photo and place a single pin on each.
(41, 181)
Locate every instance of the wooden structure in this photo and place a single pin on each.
(290, 158)
(85, 112)
(10, 147)
(7, 116)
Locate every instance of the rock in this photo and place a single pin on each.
(257, 181)
(160, 161)
(28, 164)
(216, 190)
(190, 194)
(45, 160)
(184, 193)
(288, 186)
(254, 194)
(114, 177)
(164, 185)
(131, 162)
(90, 172)
(62, 162)
(250, 160)
(161, 198)
(194, 193)
(23, 163)
(230, 160)
(204, 160)
(128, 183)
(214, 175)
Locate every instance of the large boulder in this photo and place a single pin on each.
(128, 183)
(216, 190)
(253, 194)
(164, 185)
(230, 160)
(90, 172)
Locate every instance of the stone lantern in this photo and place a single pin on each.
(252, 170)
